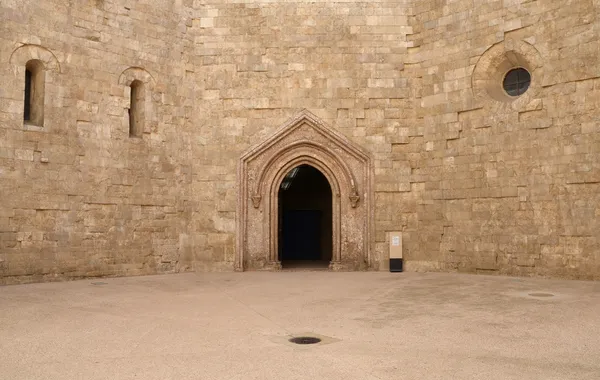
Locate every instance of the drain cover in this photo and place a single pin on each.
(543, 295)
(305, 340)
(99, 283)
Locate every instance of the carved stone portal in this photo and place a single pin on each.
(304, 140)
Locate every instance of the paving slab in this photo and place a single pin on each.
(373, 326)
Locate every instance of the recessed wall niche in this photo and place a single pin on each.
(508, 74)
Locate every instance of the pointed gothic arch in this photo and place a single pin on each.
(304, 140)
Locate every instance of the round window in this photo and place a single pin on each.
(516, 81)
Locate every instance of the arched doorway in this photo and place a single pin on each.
(330, 159)
(305, 222)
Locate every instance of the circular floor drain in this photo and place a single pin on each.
(305, 340)
(543, 295)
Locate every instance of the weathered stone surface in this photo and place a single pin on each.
(477, 181)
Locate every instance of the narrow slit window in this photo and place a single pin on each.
(27, 110)
(33, 105)
(136, 107)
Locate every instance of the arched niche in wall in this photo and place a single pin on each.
(495, 63)
(33, 66)
(139, 85)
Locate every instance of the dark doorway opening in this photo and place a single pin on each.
(305, 219)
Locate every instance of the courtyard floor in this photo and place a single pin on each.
(236, 325)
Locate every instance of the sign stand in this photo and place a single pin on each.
(396, 262)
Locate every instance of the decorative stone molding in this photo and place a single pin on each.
(136, 73)
(304, 140)
(256, 201)
(354, 198)
(305, 145)
(493, 65)
(25, 53)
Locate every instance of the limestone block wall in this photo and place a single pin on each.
(83, 198)
(476, 182)
(260, 63)
(499, 185)
(79, 196)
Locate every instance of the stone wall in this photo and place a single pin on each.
(475, 183)
(82, 198)
(79, 196)
(504, 185)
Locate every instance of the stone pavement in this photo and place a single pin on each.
(236, 325)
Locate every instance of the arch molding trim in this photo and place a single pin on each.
(304, 138)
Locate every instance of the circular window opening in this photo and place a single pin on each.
(516, 81)
(305, 340)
